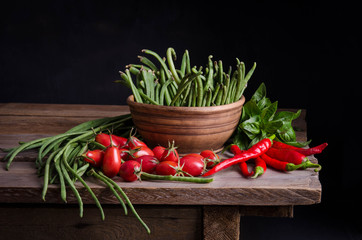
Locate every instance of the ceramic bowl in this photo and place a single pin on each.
(193, 129)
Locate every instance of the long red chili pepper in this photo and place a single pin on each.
(286, 166)
(286, 155)
(306, 151)
(255, 151)
(243, 166)
(278, 165)
(260, 167)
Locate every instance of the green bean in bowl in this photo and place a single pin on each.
(161, 83)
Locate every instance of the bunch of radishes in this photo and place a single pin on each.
(130, 158)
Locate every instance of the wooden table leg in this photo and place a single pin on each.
(221, 222)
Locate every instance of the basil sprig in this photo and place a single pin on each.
(260, 119)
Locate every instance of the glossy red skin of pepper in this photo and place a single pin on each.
(255, 151)
(243, 166)
(274, 163)
(306, 151)
(286, 155)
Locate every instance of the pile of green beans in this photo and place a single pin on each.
(163, 84)
(60, 159)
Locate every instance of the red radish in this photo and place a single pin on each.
(210, 158)
(105, 140)
(94, 157)
(158, 151)
(148, 163)
(170, 153)
(129, 170)
(139, 151)
(167, 168)
(192, 165)
(111, 162)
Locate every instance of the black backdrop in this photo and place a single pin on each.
(71, 52)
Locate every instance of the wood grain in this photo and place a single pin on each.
(63, 222)
(226, 218)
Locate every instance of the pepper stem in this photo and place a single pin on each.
(258, 172)
(304, 165)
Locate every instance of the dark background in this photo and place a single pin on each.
(71, 52)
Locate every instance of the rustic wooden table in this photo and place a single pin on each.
(173, 210)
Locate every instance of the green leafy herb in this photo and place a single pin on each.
(260, 119)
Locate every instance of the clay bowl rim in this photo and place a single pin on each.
(190, 110)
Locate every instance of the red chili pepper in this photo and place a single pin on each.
(255, 151)
(306, 151)
(286, 166)
(243, 166)
(260, 167)
(286, 155)
(279, 165)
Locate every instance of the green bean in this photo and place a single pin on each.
(63, 191)
(148, 98)
(188, 63)
(134, 70)
(183, 64)
(127, 200)
(224, 95)
(169, 54)
(137, 66)
(176, 178)
(157, 92)
(127, 77)
(208, 98)
(200, 91)
(85, 185)
(21, 148)
(226, 89)
(190, 96)
(220, 72)
(93, 173)
(46, 173)
(148, 62)
(182, 88)
(164, 66)
(185, 96)
(72, 186)
(240, 79)
(82, 169)
(210, 77)
(94, 123)
(230, 97)
(52, 141)
(164, 91)
(148, 83)
(215, 93)
(219, 95)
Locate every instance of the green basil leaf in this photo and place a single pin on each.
(268, 113)
(271, 127)
(251, 127)
(259, 93)
(242, 140)
(287, 116)
(264, 102)
(250, 109)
